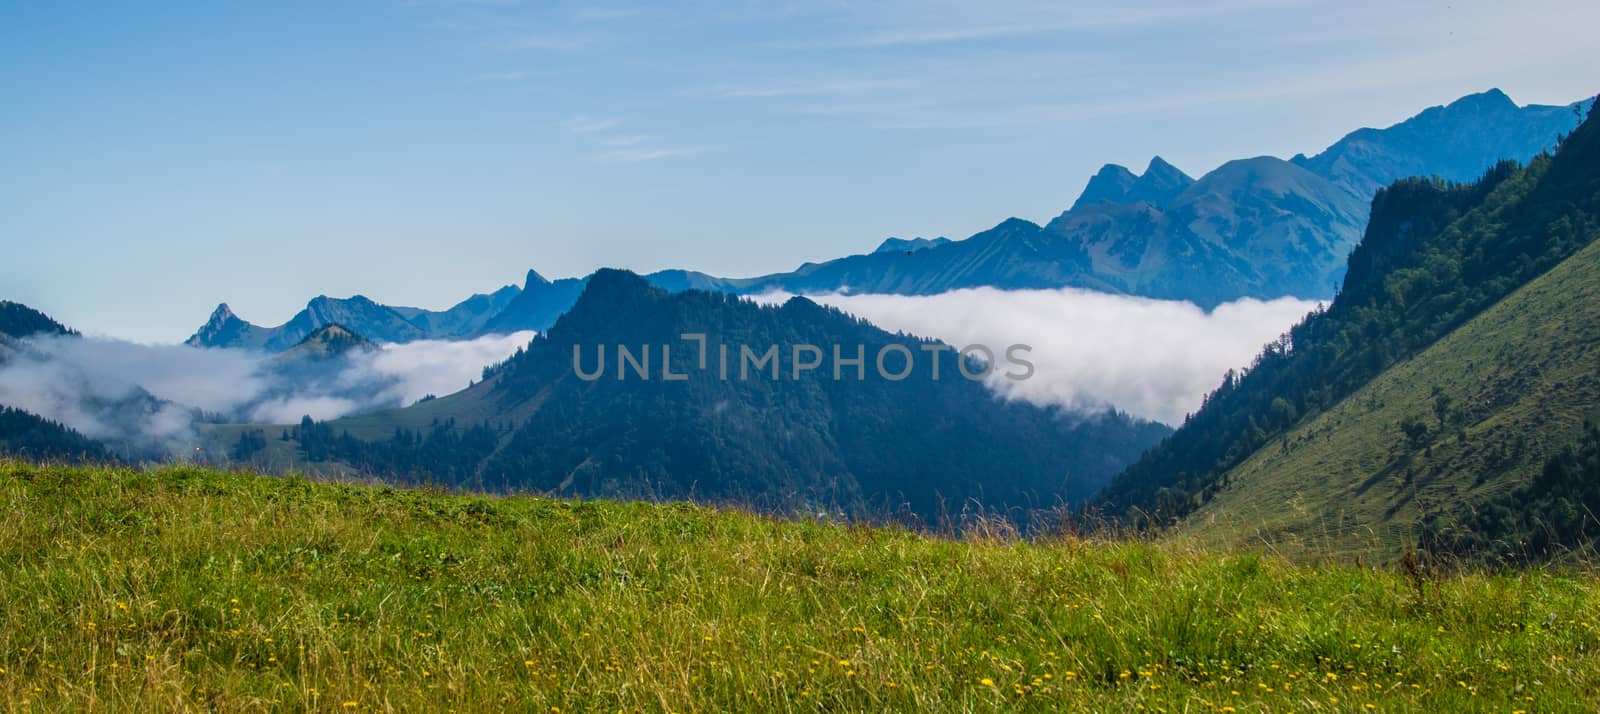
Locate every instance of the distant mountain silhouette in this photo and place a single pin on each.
(1013, 254)
(466, 318)
(371, 320)
(1160, 183)
(1259, 227)
(537, 307)
(359, 313)
(1456, 142)
(902, 245)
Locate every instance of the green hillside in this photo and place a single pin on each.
(473, 405)
(187, 589)
(1477, 413)
(1457, 358)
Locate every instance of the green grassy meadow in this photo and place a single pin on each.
(186, 589)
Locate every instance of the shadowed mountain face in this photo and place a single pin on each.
(537, 307)
(864, 442)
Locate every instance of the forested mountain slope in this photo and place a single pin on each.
(1435, 256)
(921, 445)
(1475, 415)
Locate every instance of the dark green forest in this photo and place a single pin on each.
(29, 436)
(1434, 255)
(443, 454)
(922, 447)
(19, 320)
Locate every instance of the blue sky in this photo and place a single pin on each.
(157, 160)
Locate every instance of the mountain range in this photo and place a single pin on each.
(1456, 142)
(1258, 227)
(1455, 369)
(1445, 397)
(928, 444)
(361, 315)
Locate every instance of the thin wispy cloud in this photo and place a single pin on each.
(808, 88)
(508, 76)
(627, 140)
(648, 154)
(548, 41)
(998, 65)
(960, 23)
(1039, 87)
(605, 14)
(585, 124)
(622, 148)
(926, 36)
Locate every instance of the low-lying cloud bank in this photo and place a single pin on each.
(1155, 359)
(1152, 358)
(149, 396)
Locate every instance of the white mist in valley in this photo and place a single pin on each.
(149, 396)
(396, 375)
(1155, 359)
(1091, 351)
